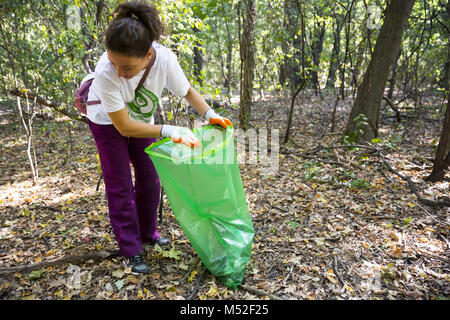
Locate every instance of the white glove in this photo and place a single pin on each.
(214, 118)
(180, 135)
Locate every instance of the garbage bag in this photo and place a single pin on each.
(204, 188)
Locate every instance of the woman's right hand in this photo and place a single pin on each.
(180, 135)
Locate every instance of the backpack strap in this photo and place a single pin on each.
(90, 103)
(147, 70)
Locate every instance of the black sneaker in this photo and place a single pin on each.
(136, 263)
(161, 241)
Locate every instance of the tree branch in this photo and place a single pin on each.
(48, 103)
(72, 259)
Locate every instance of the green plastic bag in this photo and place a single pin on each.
(204, 188)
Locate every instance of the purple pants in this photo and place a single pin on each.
(132, 209)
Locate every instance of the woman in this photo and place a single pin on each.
(123, 125)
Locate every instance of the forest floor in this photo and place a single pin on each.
(329, 223)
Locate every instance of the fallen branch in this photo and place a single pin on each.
(197, 284)
(336, 271)
(439, 222)
(391, 104)
(259, 292)
(98, 182)
(72, 259)
(411, 184)
(263, 220)
(48, 103)
(302, 155)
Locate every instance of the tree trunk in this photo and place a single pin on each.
(371, 91)
(290, 46)
(247, 62)
(347, 48)
(442, 159)
(198, 59)
(363, 47)
(335, 53)
(317, 51)
(229, 60)
(393, 76)
(303, 75)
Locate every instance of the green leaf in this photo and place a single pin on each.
(406, 221)
(36, 274)
(172, 254)
(158, 248)
(119, 284)
(183, 266)
(376, 140)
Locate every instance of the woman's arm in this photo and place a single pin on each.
(199, 104)
(136, 129)
(130, 128)
(197, 101)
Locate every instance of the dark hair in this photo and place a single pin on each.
(135, 26)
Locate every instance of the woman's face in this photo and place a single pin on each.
(126, 66)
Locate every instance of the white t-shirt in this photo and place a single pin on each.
(115, 92)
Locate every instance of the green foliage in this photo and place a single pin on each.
(295, 224)
(406, 221)
(389, 273)
(36, 274)
(40, 49)
(311, 170)
(360, 184)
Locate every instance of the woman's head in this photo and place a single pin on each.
(130, 35)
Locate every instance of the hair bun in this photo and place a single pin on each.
(135, 26)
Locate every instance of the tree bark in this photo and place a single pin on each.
(335, 53)
(291, 45)
(348, 17)
(317, 51)
(247, 63)
(371, 91)
(299, 88)
(198, 59)
(442, 159)
(229, 60)
(393, 76)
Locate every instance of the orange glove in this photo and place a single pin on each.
(180, 135)
(214, 118)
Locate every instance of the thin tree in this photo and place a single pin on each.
(442, 159)
(247, 48)
(301, 85)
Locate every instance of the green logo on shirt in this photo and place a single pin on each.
(143, 105)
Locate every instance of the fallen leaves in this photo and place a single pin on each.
(192, 276)
(387, 248)
(331, 276)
